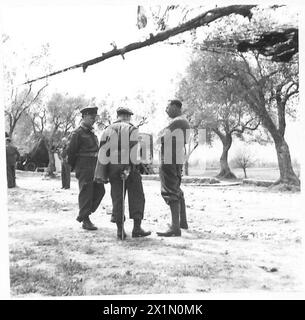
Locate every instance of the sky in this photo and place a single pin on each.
(78, 33)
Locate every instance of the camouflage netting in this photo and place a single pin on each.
(39, 153)
(280, 45)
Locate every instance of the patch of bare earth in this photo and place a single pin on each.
(240, 239)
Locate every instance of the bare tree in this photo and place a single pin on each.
(19, 103)
(244, 160)
(19, 99)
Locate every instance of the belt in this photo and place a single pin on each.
(87, 154)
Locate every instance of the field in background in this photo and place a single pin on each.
(252, 173)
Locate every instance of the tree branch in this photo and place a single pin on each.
(289, 95)
(24, 99)
(38, 93)
(201, 20)
(245, 127)
(249, 72)
(220, 135)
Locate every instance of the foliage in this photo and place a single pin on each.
(212, 102)
(56, 117)
(16, 67)
(227, 33)
(143, 104)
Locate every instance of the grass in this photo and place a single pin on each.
(48, 242)
(137, 282)
(21, 254)
(26, 280)
(252, 173)
(72, 267)
(199, 271)
(61, 278)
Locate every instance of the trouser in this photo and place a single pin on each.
(11, 176)
(90, 192)
(170, 177)
(65, 175)
(134, 188)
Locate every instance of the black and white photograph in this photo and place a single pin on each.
(152, 149)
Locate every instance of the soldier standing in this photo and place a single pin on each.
(122, 130)
(65, 167)
(12, 156)
(82, 156)
(171, 171)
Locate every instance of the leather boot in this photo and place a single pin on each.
(88, 225)
(137, 231)
(183, 220)
(121, 235)
(79, 219)
(113, 218)
(174, 230)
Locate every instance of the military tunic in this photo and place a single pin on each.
(112, 171)
(65, 169)
(171, 173)
(82, 156)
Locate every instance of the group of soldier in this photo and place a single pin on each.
(85, 155)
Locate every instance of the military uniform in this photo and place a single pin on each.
(65, 169)
(171, 173)
(12, 155)
(112, 172)
(82, 156)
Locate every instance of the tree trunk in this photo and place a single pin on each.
(11, 132)
(51, 166)
(12, 128)
(245, 173)
(287, 174)
(186, 168)
(225, 171)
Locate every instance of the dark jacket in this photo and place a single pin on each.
(12, 154)
(178, 132)
(83, 142)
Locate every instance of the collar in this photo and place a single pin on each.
(120, 121)
(84, 126)
(180, 117)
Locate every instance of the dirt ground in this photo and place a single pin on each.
(240, 239)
